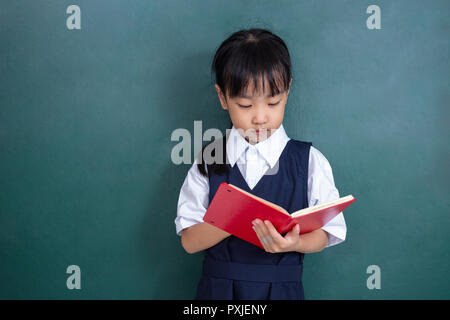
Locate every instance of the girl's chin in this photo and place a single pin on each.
(255, 140)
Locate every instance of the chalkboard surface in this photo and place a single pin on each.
(91, 94)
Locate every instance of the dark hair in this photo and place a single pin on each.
(243, 58)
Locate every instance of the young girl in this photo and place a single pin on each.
(253, 78)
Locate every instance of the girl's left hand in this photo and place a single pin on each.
(274, 242)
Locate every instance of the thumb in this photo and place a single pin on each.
(295, 230)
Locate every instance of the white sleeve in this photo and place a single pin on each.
(321, 189)
(193, 200)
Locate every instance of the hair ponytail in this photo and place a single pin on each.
(217, 168)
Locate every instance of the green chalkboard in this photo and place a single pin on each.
(89, 100)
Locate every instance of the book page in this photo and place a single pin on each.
(273, 205)
(321, 206)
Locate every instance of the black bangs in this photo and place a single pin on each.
(249, 58)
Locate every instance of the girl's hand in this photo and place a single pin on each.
(274, 242)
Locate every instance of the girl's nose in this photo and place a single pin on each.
(260, 116)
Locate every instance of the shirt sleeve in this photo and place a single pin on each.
(193, 200)
(321, 189)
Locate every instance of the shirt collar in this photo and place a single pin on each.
(270, 149)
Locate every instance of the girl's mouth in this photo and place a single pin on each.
(260, 131)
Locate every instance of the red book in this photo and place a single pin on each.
(233, 210)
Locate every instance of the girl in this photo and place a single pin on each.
(253, 78)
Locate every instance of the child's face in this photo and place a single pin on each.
(255, 111)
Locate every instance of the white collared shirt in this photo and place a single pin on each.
(253, 161)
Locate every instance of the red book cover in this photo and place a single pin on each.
(233, 210)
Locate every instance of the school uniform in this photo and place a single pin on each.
(288, 172)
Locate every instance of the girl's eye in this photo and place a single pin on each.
(274, 104)
(270, 104)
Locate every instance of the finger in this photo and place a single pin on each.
(264, 231)
(295, 230)
(263, 235)
(293, 234)
(260, 237)
(270, 243)
(277, 237)
(261, 228)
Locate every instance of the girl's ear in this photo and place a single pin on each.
(289, 86)
(221, 96)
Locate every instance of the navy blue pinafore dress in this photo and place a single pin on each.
(234, 269)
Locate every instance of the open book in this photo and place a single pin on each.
(233, 210)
